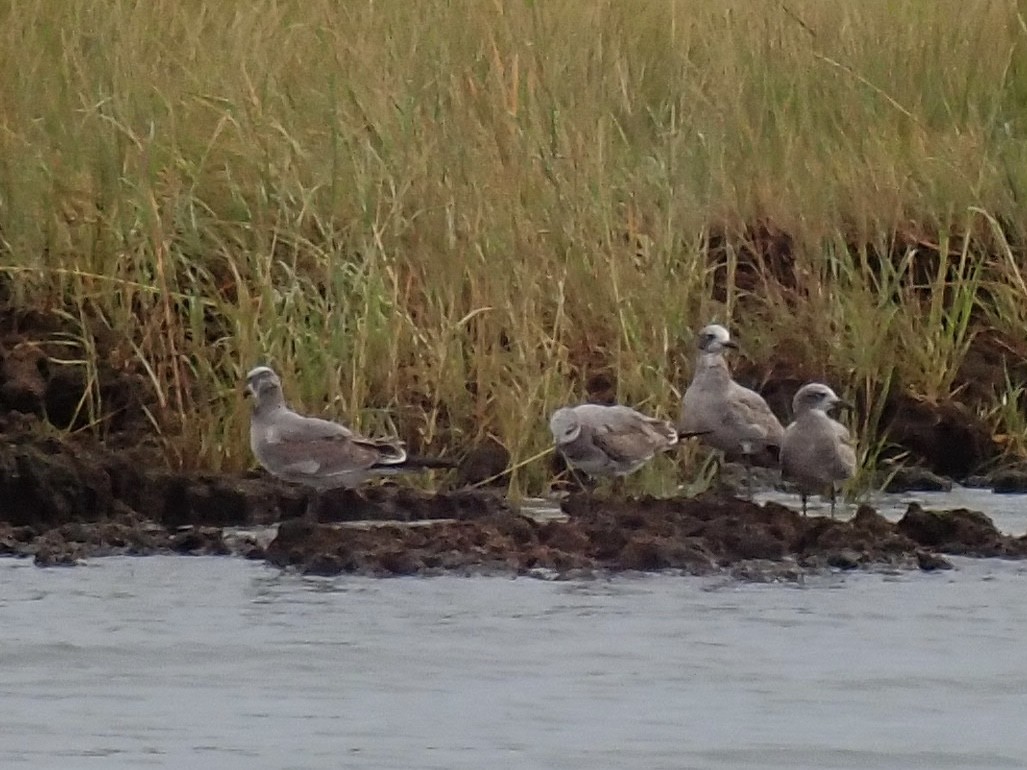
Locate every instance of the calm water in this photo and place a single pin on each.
(222, 663)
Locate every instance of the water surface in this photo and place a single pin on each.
(223, 663)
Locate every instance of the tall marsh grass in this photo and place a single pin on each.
(443, 218)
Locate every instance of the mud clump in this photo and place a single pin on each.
(960, 531)
(492, 543)
(32, 382)
(913, 479)
(64, 500)
(695, 536)
(404, 504)
(124, 534)
(1004, 481)
(49, 482)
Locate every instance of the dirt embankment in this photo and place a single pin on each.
(66, 498)
(62, 501)
(697, 536)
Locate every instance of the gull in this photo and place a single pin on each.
(317, 453)
(732, 418)
(817, 450)
(609, 440)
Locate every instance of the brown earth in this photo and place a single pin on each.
(66, 496)
(943, 437)
(697, 536)
(63, 500)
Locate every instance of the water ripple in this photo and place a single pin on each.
(174, 662)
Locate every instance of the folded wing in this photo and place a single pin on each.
(627, 436)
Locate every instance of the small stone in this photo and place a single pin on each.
(324, 564)
(399, 562)
(766, 571)
(930, 562)
(1010, 481)
(57, 555)
(846, 559)
(916, 479)
(955, 531)
(869, 520)
(200, 540)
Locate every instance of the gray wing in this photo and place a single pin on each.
(845, 453)
(747, 412)
(289, 426)
(297, 445)
(626, 435)
(320, 458)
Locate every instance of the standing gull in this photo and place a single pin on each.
(609, 440)
(817, 450)
(735, 419)
(317, 453)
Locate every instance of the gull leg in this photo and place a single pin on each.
(802, 495)
(834, 495)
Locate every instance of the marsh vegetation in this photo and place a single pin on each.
(446, 218)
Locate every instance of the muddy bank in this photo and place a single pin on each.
(697, 536)
(945, 438)
(66, 499)
(63, 499)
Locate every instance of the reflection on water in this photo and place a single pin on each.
(216, 662)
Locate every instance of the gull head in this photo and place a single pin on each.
(815, 396)
(564, 425)
(263, 384)
(715, 339)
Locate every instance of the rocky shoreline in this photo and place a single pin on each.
(62, 501)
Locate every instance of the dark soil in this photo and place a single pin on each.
(945, 438)
(62, 501)
(697, 536)
(65, 497)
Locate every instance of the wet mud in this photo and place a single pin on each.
(62, 501)
(66, 496)
(704, 535)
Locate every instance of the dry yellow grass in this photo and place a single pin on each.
(441, 217)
